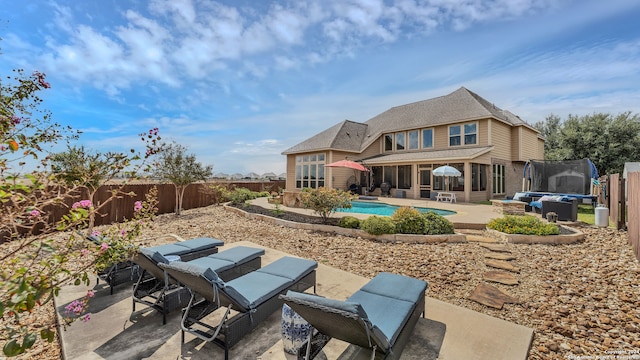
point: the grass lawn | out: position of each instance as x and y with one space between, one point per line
586 214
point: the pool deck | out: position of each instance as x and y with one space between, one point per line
468 215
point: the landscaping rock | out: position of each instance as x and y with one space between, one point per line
500 277
491 296
504 265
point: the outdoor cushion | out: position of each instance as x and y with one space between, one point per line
396 286
154 255
254 288
345 306
387 313
290 267
229 258
187 246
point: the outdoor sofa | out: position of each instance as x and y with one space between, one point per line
380 316
164 294
254 296
567 209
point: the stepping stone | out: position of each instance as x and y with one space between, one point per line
500 264
489 295
500 256
496 247
481 239
500 277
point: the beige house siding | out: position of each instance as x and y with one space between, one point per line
291 172
501 140
540 149
483 132
529 144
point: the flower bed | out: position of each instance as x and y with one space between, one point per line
567 236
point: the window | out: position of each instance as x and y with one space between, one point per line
457 182
454 135
470 135
414 139
390 175
478 177
404 177
498 179
388 142
427 138
400 141
310 171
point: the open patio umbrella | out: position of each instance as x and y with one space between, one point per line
446 171
348 164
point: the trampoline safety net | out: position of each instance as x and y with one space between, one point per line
565 177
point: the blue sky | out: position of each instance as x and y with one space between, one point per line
238 82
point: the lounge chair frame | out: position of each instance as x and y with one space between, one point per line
165 294
230 330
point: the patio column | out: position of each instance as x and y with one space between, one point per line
467 181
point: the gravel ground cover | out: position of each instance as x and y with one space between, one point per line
581 299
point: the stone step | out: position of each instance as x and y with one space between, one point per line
500 264
489 295
499 256
481 239
500 277
496 247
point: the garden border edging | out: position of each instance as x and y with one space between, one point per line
406 238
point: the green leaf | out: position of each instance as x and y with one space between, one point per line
12 348
29 340
47 334
77 282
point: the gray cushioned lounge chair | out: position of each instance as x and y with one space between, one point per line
255 296
380 316
165 294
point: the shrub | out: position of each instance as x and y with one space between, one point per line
435 224
408 221
219 193
239 196
325 201
349 222
377 225
525 225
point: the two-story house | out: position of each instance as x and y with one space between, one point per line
403 145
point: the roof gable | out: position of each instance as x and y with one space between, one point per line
346 135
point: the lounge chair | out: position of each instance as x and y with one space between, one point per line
162 293
380 316
254 296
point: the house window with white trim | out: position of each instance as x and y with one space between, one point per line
400 141
470 135
414 140
427 138
388 142
310 171
498 179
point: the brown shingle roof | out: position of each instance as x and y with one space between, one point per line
460 105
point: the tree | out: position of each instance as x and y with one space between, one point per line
34 263
608 141
179 168
80 166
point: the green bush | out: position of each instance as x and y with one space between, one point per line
377 225
525 225
324 201
349 222
408 220
435 224
239 196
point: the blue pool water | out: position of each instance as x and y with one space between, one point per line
376 208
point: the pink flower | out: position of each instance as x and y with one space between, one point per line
104 246
34 213
86 317
137 206
95 233
40 78
82 204
122 232
84 252
90 293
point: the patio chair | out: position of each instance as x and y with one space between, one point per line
254 296
164 294
380 316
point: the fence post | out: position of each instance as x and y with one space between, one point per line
622 221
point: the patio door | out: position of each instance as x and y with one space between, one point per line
424 177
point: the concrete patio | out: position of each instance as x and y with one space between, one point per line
447 332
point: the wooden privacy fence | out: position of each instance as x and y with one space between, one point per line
633 224
121 207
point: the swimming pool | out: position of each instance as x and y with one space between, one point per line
376 208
